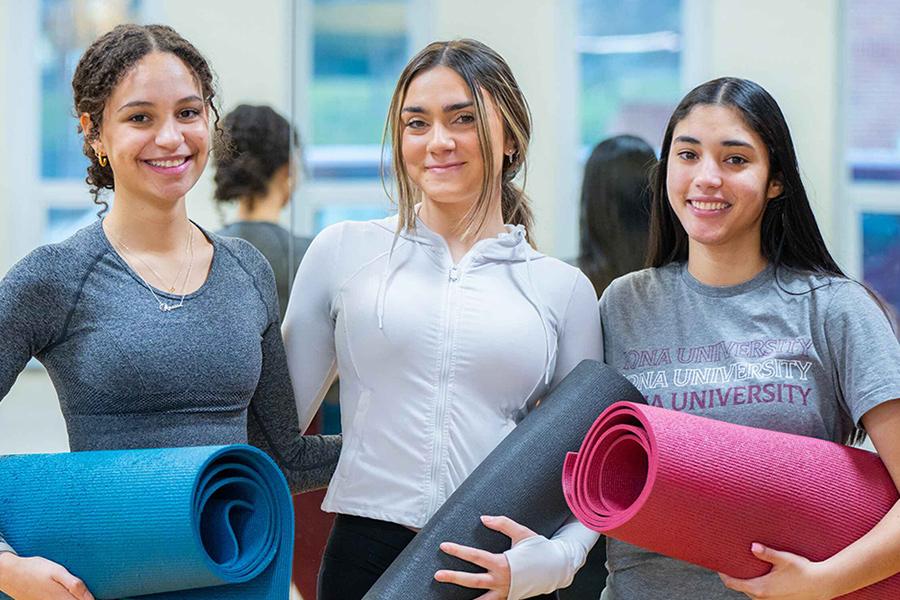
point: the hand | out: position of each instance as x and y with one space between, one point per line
37 578
497 577
792 578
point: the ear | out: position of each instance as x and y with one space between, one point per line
87 127
776 188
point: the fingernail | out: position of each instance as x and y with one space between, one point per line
756 548
485 518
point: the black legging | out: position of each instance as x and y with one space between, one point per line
359 550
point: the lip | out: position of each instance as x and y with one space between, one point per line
707 205
444 167
175 170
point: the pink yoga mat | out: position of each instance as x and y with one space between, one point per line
702 491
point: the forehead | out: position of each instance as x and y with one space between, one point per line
157 77
713 123
440 85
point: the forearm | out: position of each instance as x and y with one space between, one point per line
870 559
540 566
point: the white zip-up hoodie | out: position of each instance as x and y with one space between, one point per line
438 362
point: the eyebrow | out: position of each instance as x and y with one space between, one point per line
727 143
141 103
447 107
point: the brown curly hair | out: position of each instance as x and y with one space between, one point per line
103 66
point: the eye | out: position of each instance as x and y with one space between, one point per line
416 124
687 155
139 118
465 119
188 113
736 160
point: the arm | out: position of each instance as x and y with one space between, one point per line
308 461
537 565
865 355
309 324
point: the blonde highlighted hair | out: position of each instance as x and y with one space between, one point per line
484 71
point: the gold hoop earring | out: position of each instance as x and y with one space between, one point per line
101 158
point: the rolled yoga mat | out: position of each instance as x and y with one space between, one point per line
519 479
188 523
703 491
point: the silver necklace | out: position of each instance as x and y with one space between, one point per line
163 305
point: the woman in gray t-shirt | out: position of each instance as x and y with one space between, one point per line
745 317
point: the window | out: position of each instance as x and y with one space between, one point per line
630 62
870 203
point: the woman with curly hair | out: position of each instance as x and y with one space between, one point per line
155 332
256 170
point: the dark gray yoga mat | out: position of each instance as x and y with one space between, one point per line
521 479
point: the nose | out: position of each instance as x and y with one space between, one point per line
441 139
169 134
709 174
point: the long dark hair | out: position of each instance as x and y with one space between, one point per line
615 209
790 236
482 69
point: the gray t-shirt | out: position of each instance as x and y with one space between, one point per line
805 354
131 376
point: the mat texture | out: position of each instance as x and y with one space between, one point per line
702 491
188 523
519 479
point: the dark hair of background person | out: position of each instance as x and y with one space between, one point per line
484 71
103 65
615 209
790 234
259 141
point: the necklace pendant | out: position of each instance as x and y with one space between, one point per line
165 307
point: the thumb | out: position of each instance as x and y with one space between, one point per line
508 527
770 555
75 586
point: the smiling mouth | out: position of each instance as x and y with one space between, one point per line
708 205
444 168
168 164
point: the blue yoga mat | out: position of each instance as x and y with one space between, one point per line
163 524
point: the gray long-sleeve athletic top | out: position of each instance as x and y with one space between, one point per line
129 375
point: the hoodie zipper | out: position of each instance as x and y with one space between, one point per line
453 277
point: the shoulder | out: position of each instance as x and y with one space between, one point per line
61 265
245 253
642 283
352 241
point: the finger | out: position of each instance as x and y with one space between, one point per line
745 586
770 555
73 585
483 559
483 581
508 527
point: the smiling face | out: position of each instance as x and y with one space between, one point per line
718 179
155 130
440 144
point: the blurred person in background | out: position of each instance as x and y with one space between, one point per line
615 209
255 168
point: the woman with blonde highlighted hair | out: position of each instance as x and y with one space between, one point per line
446 326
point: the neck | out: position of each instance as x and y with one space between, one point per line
445 219
148 226
261 208
724 266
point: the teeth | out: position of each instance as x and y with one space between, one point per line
708 205
167 163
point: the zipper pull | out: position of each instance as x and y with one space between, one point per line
454 273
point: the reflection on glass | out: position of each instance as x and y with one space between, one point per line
881 255
67 28
630 60
359 49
